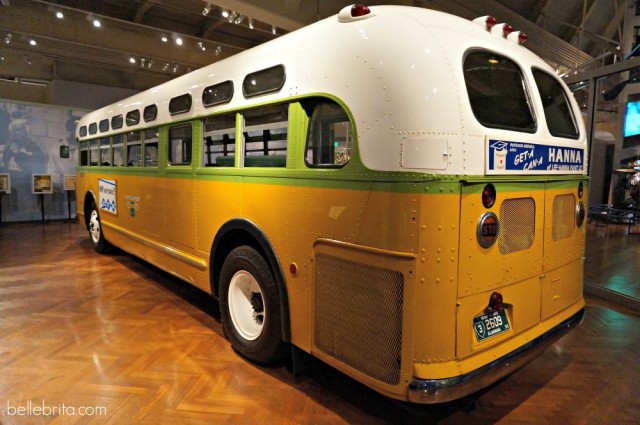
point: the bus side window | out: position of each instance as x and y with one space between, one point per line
84 152
329 136
151 147
180 138
219 140
117 143
94 152
265 133
134 149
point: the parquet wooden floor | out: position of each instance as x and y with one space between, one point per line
115 337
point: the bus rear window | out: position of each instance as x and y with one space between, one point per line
556 105
497 94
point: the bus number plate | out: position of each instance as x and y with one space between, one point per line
492 324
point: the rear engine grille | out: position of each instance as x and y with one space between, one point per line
358 316
564 213
517 225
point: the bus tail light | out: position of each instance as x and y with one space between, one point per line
580 214
488 195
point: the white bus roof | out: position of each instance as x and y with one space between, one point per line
398 71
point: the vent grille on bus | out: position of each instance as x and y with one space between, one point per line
358 316
564 213
517 225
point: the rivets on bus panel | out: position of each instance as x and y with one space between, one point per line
293 269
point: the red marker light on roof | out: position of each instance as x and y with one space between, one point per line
506 30
522 38
490 22
358 10
354 13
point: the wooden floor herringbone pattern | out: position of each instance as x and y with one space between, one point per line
83 330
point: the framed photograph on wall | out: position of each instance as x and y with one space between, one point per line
5 183
69 182
41 184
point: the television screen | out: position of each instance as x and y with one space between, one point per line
632 119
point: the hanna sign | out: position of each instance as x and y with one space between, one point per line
505 157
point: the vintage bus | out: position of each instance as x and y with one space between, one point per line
396 191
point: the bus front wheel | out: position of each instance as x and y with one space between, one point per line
250 307
94 226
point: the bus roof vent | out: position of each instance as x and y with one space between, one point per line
356 12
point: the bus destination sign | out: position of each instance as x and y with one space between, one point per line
507 157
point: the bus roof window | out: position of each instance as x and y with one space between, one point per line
180 104
116 122
133 117
497 94
150 113
265 81
83 131
93 128
104 125
217 94
557 109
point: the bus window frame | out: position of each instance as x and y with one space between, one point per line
526 89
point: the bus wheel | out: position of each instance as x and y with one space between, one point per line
250 307
98 241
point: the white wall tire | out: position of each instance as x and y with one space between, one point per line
250 306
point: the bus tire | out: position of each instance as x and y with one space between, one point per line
250 306
94 226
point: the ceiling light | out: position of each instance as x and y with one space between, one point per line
201 46
32 42
206 10
218 50
96 23
59 15
132 59
238 20
273 29
164 39
225 13
232 16
166 66
7 38
178 41
27 59
149 63
251 23
175 68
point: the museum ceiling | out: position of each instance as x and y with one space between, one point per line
41 41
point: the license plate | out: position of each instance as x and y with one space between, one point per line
492 324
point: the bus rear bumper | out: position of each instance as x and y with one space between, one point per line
442 390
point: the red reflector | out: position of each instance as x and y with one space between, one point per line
522 38
495 301
358 10
490 22
506 30
488 196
